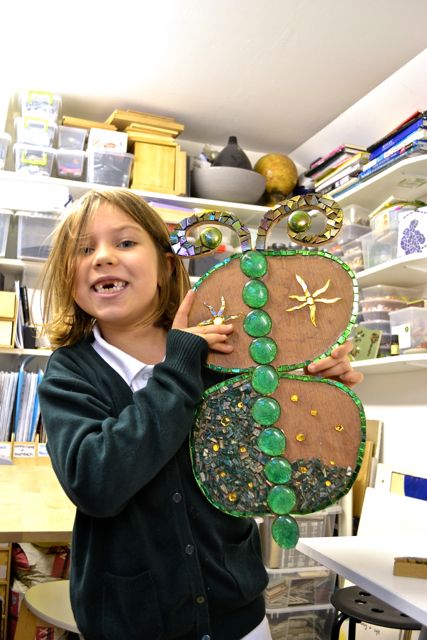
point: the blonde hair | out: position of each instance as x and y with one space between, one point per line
64 322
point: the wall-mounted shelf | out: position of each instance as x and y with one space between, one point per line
392 364
407 271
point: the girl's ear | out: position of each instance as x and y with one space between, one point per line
169 262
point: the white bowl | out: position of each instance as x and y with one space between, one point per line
227 183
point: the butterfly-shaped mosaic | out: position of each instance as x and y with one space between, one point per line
272 439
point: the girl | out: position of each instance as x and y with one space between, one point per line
152 559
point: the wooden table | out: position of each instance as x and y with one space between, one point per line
33 506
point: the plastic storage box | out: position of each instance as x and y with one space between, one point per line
70 163
40 104
314 525
71 137
352 254
33 160
299 588
379 247
410 325
4 229
5 141
34 234
382 297
36 131
109 168
302 625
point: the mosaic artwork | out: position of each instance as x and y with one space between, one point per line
271 439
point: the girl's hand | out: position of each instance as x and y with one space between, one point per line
216 335
337 366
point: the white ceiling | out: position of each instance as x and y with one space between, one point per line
271 72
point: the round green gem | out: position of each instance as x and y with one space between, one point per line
255 294
211 237
272 441
281 499
263 350
257 323
285 532
278 470
254 264
265 411
265 379
299 221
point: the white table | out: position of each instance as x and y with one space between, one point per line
368 562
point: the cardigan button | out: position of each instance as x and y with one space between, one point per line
189 549
200 600
177 497
206 637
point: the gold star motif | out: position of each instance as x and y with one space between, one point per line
218 317
310 299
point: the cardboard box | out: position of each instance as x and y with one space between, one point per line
105 140
8 313
410 567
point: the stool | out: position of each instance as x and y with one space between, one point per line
357 605
45 605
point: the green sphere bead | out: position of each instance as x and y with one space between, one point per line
272 441
254 264
263 350
211 237
257 323
278 470
265 379
299 221
255 294
265 411
281 500
284 531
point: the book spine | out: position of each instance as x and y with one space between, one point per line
418 134
414 147
400 135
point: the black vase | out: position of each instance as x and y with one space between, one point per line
232 156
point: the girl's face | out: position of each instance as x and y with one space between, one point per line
116 273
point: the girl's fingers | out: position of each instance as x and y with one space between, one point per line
181 318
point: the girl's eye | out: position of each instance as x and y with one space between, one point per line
127 244
85 251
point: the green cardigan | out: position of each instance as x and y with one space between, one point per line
152 559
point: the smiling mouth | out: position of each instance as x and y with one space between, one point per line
110 287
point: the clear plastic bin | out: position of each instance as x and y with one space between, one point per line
109 168
350 232
376 325
389 293
35 234
36 131
33 160
40 104
355 214
5 141
5 215
379 247
299 588
313 525
369 316
352 254
70 163
71 137
302 625
410 325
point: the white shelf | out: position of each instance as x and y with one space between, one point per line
392 364
14 266
43 353
249 214
405 179
407 271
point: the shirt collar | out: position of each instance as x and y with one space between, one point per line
128 367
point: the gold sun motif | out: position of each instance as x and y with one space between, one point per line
310 299
218 317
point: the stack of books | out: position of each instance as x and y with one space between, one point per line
407 139
338 169
159 163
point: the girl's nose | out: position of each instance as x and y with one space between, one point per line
104 254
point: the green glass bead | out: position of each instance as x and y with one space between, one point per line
272 441
284 531
265 379
254 264
257 323
211 237
265 411
263 350
299 221
278 470
255 294
281 499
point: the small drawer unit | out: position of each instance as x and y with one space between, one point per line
36 131
302 625
35 231
70 163
40 104
298 588
109 167
33 160
71 138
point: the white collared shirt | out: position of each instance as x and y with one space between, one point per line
133 371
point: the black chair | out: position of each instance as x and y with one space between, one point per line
356 605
